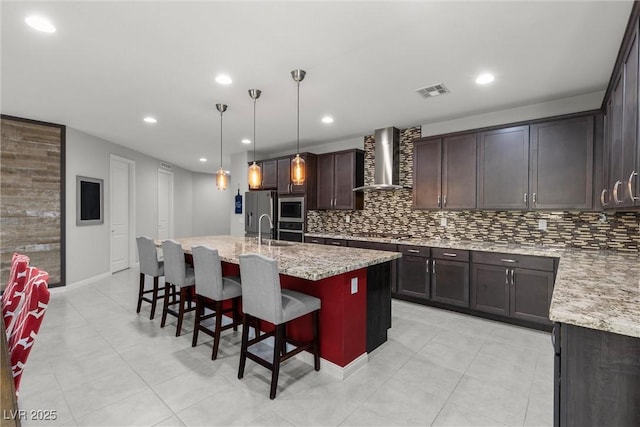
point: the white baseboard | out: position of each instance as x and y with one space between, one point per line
336 371
79 283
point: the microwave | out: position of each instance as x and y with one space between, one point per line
291 209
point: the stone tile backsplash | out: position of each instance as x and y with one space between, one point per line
392 212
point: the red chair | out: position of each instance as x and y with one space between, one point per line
29 320
13 297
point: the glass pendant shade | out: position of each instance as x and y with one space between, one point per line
255 176
298 170
221 180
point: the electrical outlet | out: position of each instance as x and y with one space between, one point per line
542 224
443 222
347 219
354 285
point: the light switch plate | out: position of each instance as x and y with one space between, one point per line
354 285
443 222
542 224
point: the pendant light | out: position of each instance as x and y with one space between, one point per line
221 176
298 169
255 174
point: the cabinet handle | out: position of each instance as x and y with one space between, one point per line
553 337
513 280
427 262
506 276
508 260
439 198
630 187
336 243
449 254
413 251
615 192
433 266
524 198
602 202
533 197
445 201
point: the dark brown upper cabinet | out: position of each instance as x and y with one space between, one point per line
503 168
338 174
285 186
269 175
626 191
444 171
561 164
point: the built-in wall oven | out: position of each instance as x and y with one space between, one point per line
291 219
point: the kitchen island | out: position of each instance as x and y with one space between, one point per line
353 285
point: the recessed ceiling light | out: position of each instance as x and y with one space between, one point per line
223 79
150 119
246 141
485 78
202 159
327 119
40 23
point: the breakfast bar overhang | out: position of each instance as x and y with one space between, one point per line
353 284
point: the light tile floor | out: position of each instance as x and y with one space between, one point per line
97 362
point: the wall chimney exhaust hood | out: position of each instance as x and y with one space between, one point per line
387 161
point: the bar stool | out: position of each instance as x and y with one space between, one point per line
263 298
212 289
149 266
179 282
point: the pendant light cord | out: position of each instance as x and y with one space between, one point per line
254 130
220 139
298 134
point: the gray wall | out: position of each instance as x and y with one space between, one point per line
210 206
87 247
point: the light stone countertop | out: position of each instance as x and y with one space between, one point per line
304 260
593 289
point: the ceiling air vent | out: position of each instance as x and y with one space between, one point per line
433 90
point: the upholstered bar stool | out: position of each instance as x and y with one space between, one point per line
212 289
149 266
179 282
263 298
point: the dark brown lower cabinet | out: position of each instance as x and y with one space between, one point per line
414 278
597 378
450 276
502 284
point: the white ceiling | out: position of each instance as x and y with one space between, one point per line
111 63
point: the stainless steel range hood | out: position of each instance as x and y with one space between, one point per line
387 161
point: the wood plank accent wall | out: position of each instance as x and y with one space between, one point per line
32 196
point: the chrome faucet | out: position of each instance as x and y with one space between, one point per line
260 226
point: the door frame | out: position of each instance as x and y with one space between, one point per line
171 206
132 208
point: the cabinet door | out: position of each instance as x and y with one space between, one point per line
629 123
269 174
503 168
530 295
450 282
284 176
427 177
490 288
345 182
459 172
414 276
614 132
325 181
561 159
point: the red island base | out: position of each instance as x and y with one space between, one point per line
343 314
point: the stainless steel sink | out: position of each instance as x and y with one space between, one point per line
272 242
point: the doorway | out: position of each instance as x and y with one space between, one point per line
122 221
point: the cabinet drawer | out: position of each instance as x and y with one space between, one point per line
319 240
422 251
513 260
450 254
379 246
335 242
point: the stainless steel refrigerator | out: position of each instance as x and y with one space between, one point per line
256 204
